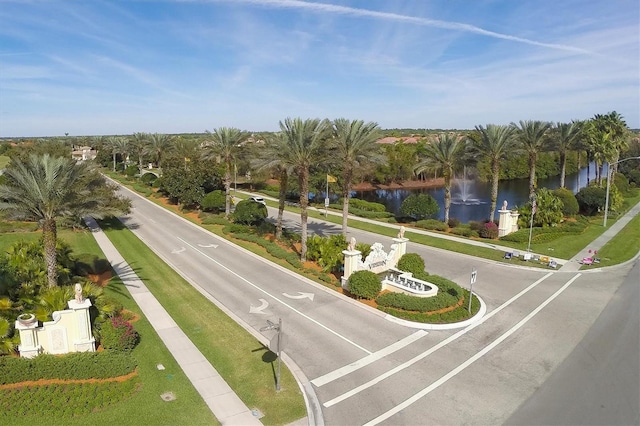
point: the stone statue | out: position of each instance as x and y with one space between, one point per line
79 297
352 244
504 205
401 233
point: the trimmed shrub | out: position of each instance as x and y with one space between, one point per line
419 206
591 199
149 179
489 230
411 262
365 205
570 206
475 225
118 335
432 225
131 170
453 222
77 365
214 201
364 285
209 219
249 212
463 231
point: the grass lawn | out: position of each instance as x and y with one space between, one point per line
240 359
145 407
622 248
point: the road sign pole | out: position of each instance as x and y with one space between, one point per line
474 275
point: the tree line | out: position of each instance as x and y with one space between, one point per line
304 151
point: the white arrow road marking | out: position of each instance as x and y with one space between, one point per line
259 309
208 245
178 251
279 300
300 295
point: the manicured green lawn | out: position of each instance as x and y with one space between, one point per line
239 358
145 407
622 248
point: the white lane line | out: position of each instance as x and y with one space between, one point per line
362 362
277 299
425 354
471 360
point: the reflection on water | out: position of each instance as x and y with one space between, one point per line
475 202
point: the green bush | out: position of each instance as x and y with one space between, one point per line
463 231
419 206
77 365
591 199
570 206
327 251
249 212
214 201
210 219
414 303
432 225
364 285
622 183
131 170
411 262
356 203
118 335
474 225
453 222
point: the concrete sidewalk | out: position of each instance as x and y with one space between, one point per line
217 394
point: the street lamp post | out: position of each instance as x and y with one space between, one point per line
606 198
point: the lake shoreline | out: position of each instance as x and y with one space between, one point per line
409 184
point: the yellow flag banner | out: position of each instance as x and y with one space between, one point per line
331 179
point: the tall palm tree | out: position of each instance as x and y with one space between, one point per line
531 137
224 145
118 145
305 141
355 142
444 152
494 142
157 145
275 157
565 136
45 188
138 142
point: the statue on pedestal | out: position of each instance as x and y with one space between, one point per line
352 244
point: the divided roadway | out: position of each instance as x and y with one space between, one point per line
367 369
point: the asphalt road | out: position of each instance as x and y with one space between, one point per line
367 369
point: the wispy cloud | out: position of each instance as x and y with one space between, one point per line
388 16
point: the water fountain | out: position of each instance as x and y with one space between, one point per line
463 193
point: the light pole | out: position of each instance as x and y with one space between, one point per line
606 198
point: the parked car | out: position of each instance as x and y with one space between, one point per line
258 200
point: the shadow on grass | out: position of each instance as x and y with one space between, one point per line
269 357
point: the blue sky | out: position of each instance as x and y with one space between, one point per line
118 67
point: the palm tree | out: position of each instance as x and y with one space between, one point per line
138 142
531 136
275 156
305 148
157 145
356 145
493 142
565 136
45 188
444 152
118 145
223 146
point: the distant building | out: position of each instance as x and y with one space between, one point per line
83 153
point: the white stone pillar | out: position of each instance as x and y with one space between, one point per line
351 259
514 220
504 225
82 338
401 250
29 346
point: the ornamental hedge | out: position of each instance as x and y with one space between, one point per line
73 366
364 285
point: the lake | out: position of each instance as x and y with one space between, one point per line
470 200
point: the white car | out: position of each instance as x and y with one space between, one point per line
258 200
